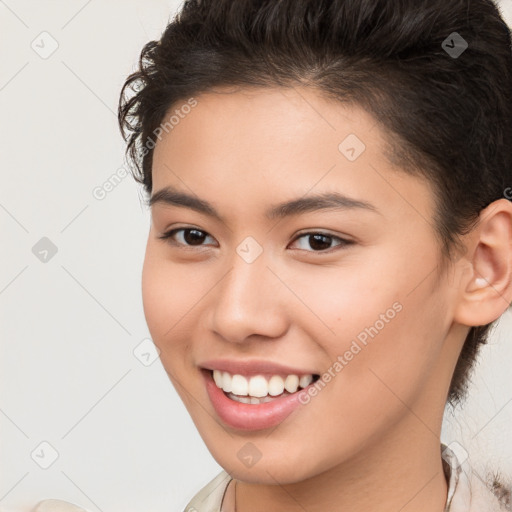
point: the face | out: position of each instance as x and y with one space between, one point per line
344 289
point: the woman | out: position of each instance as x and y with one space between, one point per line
330 240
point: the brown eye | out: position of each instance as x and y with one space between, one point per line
321 242
189 236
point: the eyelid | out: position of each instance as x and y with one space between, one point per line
320 231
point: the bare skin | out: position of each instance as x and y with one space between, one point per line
370 439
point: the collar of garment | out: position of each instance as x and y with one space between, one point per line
467 492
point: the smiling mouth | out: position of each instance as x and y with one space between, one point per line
259 389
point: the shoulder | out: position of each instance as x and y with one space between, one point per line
468 491
209 498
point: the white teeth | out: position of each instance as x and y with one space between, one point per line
226 382
291 383
239 385
217 377
258 386
305 381
257 389
275 385
252 400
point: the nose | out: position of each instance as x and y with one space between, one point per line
249 301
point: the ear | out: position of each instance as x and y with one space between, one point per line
486 290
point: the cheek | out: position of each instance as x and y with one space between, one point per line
387 361
382 327
337 303
168 295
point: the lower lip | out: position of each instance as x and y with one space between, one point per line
250 416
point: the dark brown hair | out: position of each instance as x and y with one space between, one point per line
446 114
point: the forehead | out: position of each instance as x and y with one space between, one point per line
266 144
268 120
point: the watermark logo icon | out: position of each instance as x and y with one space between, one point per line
45 45
454 45
249 249
249 454
352 147
44 455
455 448
146 352
44 250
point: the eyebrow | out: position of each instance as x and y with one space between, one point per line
326 201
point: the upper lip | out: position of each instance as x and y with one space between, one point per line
252 367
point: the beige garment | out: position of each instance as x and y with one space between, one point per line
57 506
466 492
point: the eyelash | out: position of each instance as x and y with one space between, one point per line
168 236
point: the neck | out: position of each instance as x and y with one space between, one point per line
386 475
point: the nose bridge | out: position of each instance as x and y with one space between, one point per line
247 301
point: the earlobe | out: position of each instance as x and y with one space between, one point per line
487 292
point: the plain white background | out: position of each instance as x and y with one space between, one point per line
74 375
